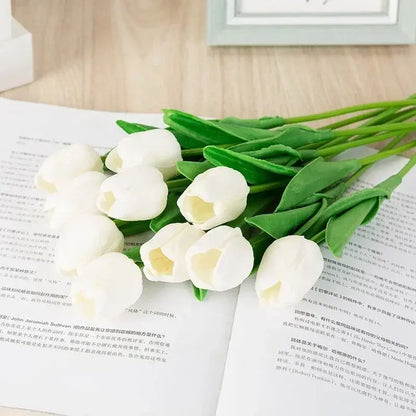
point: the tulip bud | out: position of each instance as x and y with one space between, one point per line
65 164
157 147
77 197
136 194
107 286
220 260
164 254
214 197
289 268
83 240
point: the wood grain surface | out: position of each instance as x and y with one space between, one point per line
145 55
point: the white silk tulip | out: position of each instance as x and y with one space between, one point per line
66 164
164 254
136 194
78 197
220 260
217 196
289 268
157 147
83 240
106 286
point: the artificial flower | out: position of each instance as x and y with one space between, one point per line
216 196
289 268
135 194
157 147
164 254
66 164
83 240
78 197
220 260
106 286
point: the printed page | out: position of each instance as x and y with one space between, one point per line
165 356
349 348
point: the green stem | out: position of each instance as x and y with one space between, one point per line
383 116
382 155
352 109
352 120
409 165
364 169
376 129
334 150
256 189
199 150
318 238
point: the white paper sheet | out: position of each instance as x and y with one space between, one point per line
163 357
349 348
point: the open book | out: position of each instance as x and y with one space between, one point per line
349 348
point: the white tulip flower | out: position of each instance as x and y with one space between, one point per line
164 254
136 194
289 268
215 197
78 197
106 287
66 164
220 260
83 240
157 147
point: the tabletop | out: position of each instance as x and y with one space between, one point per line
142 56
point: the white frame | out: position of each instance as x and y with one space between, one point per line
227 26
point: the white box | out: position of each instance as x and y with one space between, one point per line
5 19
16 58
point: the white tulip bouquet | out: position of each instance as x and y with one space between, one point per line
223 198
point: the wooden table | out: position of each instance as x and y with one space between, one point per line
141 56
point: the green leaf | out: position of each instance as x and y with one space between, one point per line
340 229
256 171
330 194
377 195
205 131
185 141
293 136
134 254
383 190
259 244
170 215
132 227
314 177
280 224
192 169
312 221
260 123
130 128
256 203
280 153
246 133
214 131
199 293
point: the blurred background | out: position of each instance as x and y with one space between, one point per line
144 55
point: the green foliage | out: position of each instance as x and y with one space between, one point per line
134 254
185 141
314 177
132 227
260 123
256 171
170 215
200 294
280 224
192 169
